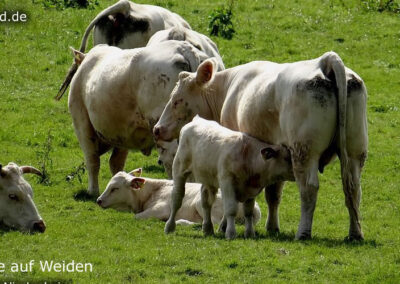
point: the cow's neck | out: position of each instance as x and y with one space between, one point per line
214 96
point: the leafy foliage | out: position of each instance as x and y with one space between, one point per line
45 160
221 22
392 6
63 4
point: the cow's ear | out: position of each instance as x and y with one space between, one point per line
136 172
78 56
137 183
268 153
205 72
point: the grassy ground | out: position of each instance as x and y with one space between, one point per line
33 62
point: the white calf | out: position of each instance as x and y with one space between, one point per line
221 158
150 198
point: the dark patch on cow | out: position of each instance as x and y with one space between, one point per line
163 79
116 27
319 83
300 154
362 158
353 84
183 66
322 90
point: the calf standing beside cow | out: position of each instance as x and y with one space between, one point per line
314 108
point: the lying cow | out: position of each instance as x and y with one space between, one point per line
221 158
126 25
17 209
198 40
117 96
316 107
150 198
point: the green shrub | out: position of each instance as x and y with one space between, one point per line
63 4
221 22
392 6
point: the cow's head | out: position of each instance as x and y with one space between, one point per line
187 99
278 163
120 192
166 154
17 209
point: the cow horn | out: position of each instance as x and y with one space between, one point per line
30 170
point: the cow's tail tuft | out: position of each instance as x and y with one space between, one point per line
67 81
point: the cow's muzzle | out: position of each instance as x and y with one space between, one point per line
39 226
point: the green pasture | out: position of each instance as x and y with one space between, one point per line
36 130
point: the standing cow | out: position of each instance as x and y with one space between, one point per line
125 25
317 108
17 209
117 96
241 166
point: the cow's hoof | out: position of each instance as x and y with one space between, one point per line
303 237
93 192
273 231
250 234
170 227
230 235
355 238
208 233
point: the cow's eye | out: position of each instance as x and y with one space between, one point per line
114 189
13 197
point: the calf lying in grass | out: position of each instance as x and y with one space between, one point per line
150 198
17 209
221 158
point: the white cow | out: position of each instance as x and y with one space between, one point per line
235 162
17 209
317 108
198 40
166 154
167 150
126 25
150 198
117 96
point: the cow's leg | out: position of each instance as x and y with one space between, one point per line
117 160
273 195
352 192
178 192
248 208
207 200
222 225
90 144
305 168
160 212
230 208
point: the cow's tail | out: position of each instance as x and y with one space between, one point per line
123 6
335 64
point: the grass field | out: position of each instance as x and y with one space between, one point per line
36 130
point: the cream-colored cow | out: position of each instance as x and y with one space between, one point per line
240 165
117 95
317 108
126 25
17 209
150 198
